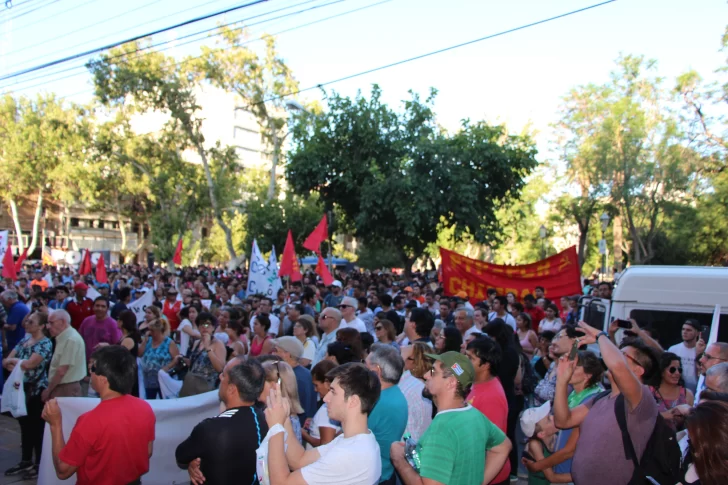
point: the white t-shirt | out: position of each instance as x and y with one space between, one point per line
184 338
309 351
687 357
356 323
346 461
470 331
321 420
553 326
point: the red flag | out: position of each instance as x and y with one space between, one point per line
101 270
85 264
177 259
319 235
9 265
323 271
289 263
21 258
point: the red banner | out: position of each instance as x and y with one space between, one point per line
559 275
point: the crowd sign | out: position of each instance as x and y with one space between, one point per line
559 275
139 307
263 275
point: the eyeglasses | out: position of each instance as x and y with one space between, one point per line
324 317
378 327
710 357
673 369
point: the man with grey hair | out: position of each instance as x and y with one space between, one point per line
388 419
464 322
16 312
714 355
348 307
68 365
716 379
329 322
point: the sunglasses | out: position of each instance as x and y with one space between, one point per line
378 327
205 324
345 306
674 369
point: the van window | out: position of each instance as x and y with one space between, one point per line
668 324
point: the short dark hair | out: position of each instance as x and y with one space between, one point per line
501 332
319 371
264 321
357 380
592 366
118 366
362 300
606 283
541 288
398 299
385 299
647 359
502 300
693 323
343 353
249 379
492 291
488 351
124 293
102 298
424 320
62 288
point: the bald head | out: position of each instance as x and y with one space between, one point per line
716 379
330 319
714 354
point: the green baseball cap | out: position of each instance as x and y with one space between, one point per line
459 364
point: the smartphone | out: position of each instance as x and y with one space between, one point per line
574 350
705 333
624 324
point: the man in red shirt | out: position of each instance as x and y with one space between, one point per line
171 308
112 443
80 307
487 394
536 312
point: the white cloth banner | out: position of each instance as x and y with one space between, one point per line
3 242
175 420
263 276
92 293
140 306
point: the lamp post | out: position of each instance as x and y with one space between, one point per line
542 234
604 219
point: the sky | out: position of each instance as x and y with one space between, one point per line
518 78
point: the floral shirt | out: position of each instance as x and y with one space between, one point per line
37 378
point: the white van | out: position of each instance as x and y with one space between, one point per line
661 298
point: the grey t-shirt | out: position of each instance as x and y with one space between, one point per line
600 458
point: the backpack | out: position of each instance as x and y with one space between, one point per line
529 379
660 463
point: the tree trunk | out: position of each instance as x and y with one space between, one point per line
16 221
583 237
617 249
67 226
273 165
122 230
213 200
36 223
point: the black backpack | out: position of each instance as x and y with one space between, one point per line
660 463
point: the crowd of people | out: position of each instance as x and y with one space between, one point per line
374 379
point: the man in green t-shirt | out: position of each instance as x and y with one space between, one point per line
461 446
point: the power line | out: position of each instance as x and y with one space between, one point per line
308 24
31 9
439 51
73 68
132 39
17 29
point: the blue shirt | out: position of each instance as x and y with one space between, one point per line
387 421
306 393
16 314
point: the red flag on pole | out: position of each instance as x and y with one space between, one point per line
9 265
177 259
101 270
319 235
323 271
21 258
289 263
85 264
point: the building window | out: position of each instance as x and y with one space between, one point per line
75 222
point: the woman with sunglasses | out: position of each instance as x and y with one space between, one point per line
671 392
208 355
385 332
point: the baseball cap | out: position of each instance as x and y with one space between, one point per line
80 286
336 283
408 288
290 344
462 294
693 323
459 364
103 285
531 416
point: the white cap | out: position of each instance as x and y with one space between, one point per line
336 283
531 416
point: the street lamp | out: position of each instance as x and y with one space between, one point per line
542 234
604 219
293 105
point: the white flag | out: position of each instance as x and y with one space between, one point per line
139 307
263 276
3 242
275 280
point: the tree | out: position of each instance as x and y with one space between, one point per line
399 177
259 82
154 81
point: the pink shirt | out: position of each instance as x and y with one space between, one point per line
96 331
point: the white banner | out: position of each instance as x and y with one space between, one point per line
175 420
263 276
139 307
3 242
92 293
